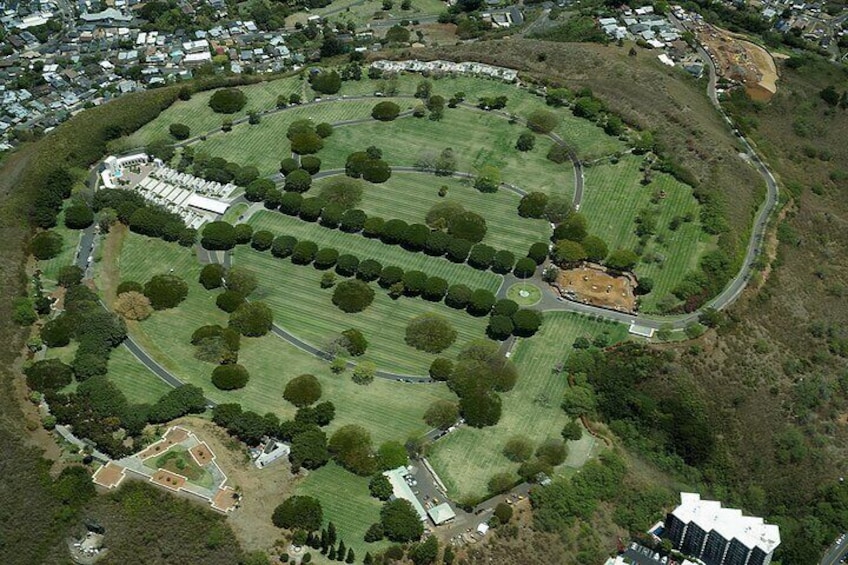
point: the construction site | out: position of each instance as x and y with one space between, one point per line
740 61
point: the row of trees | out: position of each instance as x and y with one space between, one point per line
130 208
450 231
354 295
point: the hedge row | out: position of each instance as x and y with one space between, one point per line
416 238
397 282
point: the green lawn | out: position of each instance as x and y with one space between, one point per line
306 310
419 192
70 242
612 200
476 138
232 215
197 115
365 248
138 383
468 457
265 144
347 503
389 410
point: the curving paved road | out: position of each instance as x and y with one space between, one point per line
549 302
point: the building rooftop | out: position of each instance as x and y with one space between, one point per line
441 513
727 522
402 490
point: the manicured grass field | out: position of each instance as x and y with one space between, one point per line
200 118
477 139
303 308
232 215
589 140
70 241
364 248
467 458
136 381
265 144
418 193
389 410
612 200
347 503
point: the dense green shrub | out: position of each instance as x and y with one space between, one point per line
283 246
179 131
230 377
253 319
299 512
385 111
227 101
165 291
430 332
78 216
212 276
229 301
218 236
303 390
353 295
46 245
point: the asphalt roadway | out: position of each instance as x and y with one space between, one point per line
836 552
549 303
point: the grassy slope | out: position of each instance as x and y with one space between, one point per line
468 457
477 139
265 144
419 193
302 307
613 198
646 93
197 115
365 248
389 410
50 267
347 503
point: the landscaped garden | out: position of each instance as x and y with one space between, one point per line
178 460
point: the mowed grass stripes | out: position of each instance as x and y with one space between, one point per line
388 409
199 117
347 503
613 198
467 458
265 144
477 139
303 308
409 196
364 248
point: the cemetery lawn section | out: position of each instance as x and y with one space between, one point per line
389 410
614 197
365 248
419 192
477 139
199 117
300 306
467 458
265 144
347 503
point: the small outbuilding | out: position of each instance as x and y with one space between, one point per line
441 513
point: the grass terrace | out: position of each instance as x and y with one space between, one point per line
419 192
467 458
178 460
347 503
389 410
200 118
232 215
265 144
477 139
302 307
613 198
364 248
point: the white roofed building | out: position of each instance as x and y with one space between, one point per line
720 536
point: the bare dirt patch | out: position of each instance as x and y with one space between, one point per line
109 476
201 453
167 479
742 61
261 489
594 286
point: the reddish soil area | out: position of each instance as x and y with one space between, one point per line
598 288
